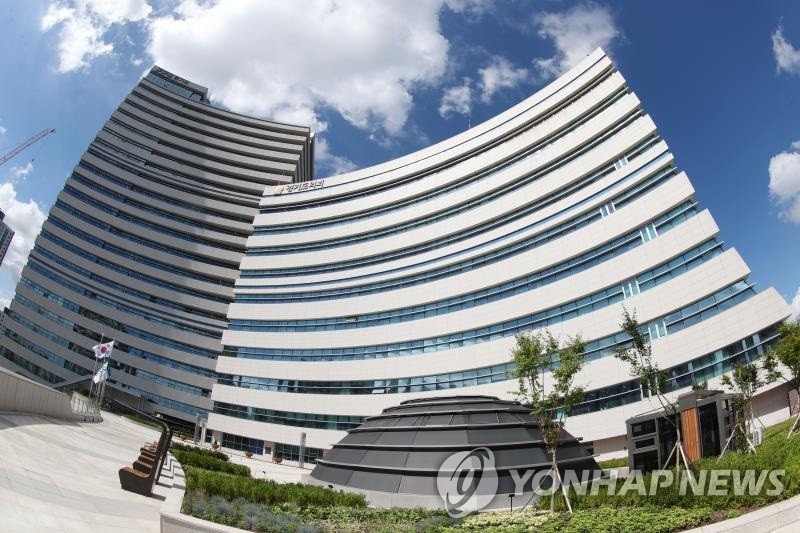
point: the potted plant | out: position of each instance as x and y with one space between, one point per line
215 444
277 459
248 454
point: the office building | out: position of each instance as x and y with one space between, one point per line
411 278
143 246
6 234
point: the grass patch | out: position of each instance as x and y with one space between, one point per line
776 452
613 463
600 520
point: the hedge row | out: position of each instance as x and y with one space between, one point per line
265 491
188 458
194 449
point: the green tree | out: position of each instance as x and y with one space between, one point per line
744 380
787 353
551 404
638 355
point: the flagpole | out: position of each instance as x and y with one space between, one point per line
105 380
94 368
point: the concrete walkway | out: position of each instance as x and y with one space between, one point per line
62 476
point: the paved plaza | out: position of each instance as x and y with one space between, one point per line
62 476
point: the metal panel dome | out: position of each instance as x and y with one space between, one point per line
400 451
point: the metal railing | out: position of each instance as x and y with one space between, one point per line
81 405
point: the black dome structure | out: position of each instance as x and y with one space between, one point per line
395 457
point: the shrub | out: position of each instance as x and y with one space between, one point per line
267 492
613 463
194 449
189 458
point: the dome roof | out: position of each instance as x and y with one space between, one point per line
401 450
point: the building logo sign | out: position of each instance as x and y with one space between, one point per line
298 187
467 481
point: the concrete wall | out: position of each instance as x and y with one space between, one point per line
22 395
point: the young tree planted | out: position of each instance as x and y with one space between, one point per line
744 380
787 353
639 357
551 403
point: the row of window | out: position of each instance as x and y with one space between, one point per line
546 142
30 366
191 170
45 353
213 117
149 208
136 221
164 146
175 405
727 297
95 337
681 376
201 131
546 200
124 253
286 418
115 324
173 87
654 173
89 355
51 274
597 300
109 229
156 173
173 200
39 250
453 161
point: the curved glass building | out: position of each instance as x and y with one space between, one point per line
410 279
144 242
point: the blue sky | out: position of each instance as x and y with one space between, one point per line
381 79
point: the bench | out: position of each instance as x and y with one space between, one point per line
142 476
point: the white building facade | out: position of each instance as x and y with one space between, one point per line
410 279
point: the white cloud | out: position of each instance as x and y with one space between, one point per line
26 219
457 100
784 182
2 129
500 74
786 55
362 59
5 301
575 34
19 173
795 307
83 25
329 164
472 8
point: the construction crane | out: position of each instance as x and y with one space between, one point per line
22 146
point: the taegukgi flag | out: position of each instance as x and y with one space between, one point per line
103 374
102 351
